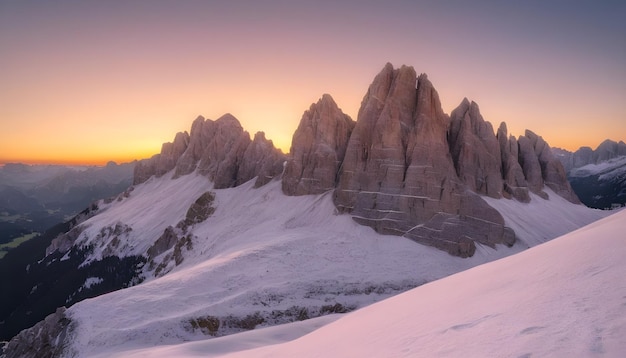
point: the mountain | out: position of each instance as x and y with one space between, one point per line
220 150
601 185
226 233
597 176
608 149
262 259
408 169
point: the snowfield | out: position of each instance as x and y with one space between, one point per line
264 259
565 298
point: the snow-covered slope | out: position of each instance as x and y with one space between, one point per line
565 298
541 220
262 259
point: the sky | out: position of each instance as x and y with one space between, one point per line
85 82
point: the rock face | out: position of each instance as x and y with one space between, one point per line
530 165
220 150
260 160
162 163
410 170
552 172
317 149
403 168
47 338
475 150
398 175
515 184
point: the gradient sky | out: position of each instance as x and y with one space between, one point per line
91 81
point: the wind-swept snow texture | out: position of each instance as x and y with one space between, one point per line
260 254
565 298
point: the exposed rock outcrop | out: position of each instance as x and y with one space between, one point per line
552 172
221 155
403 168
375 163
410 170
199 211
162 163
47 338
63 242
475 150
220 150
262 160
515 184
398 175
317 149
530 165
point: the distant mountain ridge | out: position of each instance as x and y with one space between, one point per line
598 176
36 197
606 150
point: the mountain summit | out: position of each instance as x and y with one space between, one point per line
409 169
220 150
404 168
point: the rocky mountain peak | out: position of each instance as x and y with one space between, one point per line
607 150
411 170
398 175
227 120
475 150
220 150
404 167
515 184
317 149
542 167
262 160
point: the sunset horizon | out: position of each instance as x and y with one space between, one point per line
88 83
102 158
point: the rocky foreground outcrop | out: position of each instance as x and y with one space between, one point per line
47 338
410 170
221 150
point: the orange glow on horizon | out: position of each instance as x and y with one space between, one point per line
77 89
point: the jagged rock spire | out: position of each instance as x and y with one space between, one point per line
220 150
317 149
475 150
403 168
398 175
